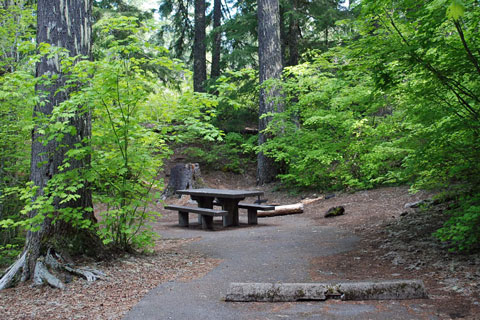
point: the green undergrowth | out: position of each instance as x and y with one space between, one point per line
235 153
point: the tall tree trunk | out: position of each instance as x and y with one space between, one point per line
67 24
293 34
217 39
199 48
283 35
270 63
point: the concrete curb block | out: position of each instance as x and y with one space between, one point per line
287 292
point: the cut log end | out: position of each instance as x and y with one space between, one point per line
282 210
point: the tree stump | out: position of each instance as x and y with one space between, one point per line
182 176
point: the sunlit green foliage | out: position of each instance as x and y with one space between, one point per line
237 100
16 104
427 56
126 149
337 132
401 103
126 154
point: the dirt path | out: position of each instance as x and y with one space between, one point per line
398 243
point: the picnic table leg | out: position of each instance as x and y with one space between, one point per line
230 205
203 202
252 216
183 219
207 222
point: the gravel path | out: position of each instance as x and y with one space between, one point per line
279 249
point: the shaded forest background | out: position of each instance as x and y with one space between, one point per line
373 93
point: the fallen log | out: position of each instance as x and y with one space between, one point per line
282 210
310 201
288 292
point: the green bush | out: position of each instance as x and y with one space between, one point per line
335 133
462 230
237 100
17 98
233 154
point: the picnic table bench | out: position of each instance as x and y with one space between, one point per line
205 213
253 208
228 199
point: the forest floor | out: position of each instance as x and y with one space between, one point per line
395 243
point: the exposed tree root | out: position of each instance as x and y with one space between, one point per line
12 271
43 275
88 273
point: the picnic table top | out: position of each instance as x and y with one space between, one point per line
221 193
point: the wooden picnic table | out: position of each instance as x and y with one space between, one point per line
228 199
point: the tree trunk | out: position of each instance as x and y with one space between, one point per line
283 35
199 48
217 39
64 24
293 35
270 63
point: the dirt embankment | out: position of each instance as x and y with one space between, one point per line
397 243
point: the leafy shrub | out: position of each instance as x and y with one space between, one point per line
126 154
233 154
10 251
462 230
17 97
333 134
237 100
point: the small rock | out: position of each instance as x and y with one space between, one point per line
335 211
328 196
398 260
416 204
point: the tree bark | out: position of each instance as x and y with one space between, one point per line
217 39
270 64
199 48
293 34
283 34
66 24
